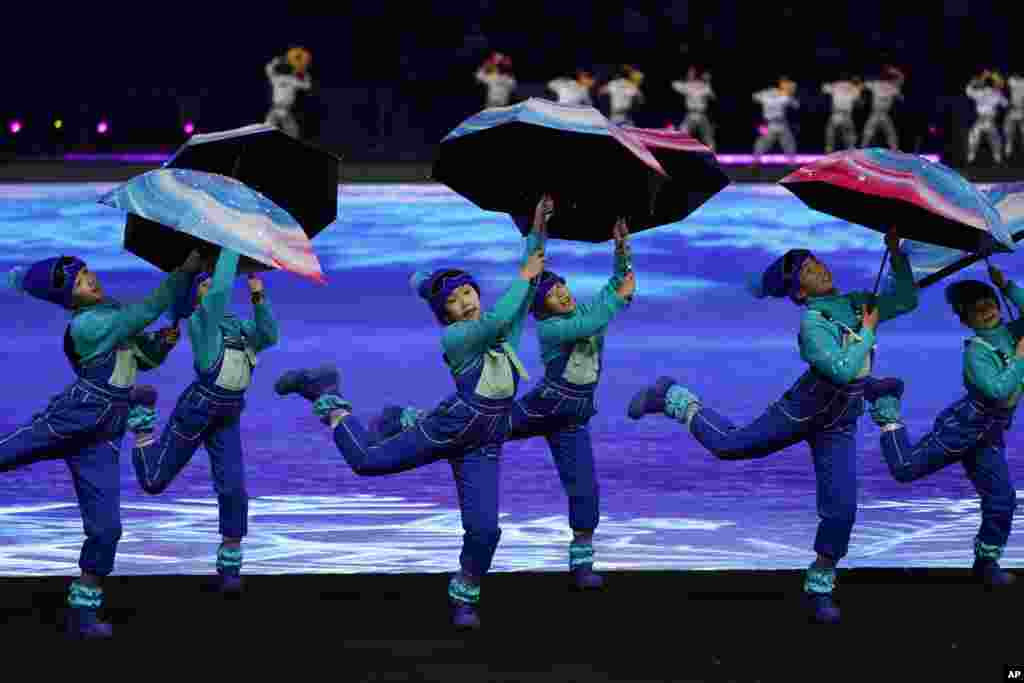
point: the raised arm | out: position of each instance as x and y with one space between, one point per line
262 330
204 324
903 298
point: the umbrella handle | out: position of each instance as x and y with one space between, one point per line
873 301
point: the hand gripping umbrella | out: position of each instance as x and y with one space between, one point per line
880 189
186 210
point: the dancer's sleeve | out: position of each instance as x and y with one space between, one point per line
482 76
269 68
986 372
534 241
204 324
820 347
150 350
262 329
98 331
679 87
1016 295
903 297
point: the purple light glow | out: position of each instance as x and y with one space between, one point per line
142 158
14 127
189 128
102 127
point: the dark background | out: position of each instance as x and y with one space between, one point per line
393 78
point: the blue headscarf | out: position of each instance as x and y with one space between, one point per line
782 278
41 279
436 287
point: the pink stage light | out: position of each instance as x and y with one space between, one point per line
14 127
189 128
102 127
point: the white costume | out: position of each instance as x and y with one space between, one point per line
987 100
499 87
845 95
284 87
570 91
1013 122
622 93
775 102
697 123
883 94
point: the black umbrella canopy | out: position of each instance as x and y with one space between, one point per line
593 178
167 248
298 177
882 213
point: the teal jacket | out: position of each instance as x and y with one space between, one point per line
464 343
559 334
212 322
840 351
98 329
984 365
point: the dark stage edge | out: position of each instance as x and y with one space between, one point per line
398 172
737 625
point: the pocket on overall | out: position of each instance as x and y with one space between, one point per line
452 423
191 416
809 397
76 412
542 402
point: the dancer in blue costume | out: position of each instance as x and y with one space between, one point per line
467 429
837 339
971 430
84 424
209 411
571 339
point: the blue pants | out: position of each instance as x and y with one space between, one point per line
208 417
561 414
825 416
83 425
965 433
466 434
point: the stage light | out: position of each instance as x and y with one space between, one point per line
14 127
189 128
102 127
58 124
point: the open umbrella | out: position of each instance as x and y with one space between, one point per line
296 176
185 210
937 263
693 170
880 189
505 158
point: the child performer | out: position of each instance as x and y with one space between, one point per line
287 76
622 93
571 338
837 339
775 101
209 411
697 91
84 424
971 430
468 428
496 74
1013 122
845 94
884 92
573 90
986 91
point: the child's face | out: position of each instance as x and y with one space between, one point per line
815 278
983 314
463 304
87 288
559 300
